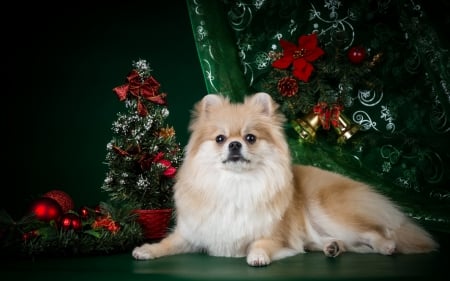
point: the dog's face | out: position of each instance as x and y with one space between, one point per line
236 137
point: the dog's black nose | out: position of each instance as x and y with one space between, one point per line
234 146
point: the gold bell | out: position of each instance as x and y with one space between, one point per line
345 128
307 126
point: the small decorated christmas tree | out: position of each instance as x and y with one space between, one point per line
143 154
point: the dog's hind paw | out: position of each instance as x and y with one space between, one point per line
258 257
333 249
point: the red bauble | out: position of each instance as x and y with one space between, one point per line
30 234
84 212
70 221
63 199
356 54
46 209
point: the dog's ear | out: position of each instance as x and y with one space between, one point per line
205 105
211 100
264 100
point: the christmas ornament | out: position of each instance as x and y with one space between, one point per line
106 222
70 221
345 128
307 126
46 209
356 54
376 59
84 212
300 57
287 86
63 199
30 234
166 133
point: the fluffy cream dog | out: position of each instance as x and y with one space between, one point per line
237 194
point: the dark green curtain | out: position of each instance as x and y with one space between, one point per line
400 112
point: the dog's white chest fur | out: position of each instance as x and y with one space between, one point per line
229 216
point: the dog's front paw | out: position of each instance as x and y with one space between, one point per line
143 252
387 247
258 257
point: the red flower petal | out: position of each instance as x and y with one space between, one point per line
308 42
314 54
283 62
288 47
302 70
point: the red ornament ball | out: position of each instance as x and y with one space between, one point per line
63 199
84 212
356 54
46 209
70 221
30 235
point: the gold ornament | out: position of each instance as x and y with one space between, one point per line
307 126
166 132
376 59
345 128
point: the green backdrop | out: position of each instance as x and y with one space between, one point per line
58 71
398 96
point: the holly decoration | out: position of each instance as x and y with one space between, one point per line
48 231
46 209
63 199
356 54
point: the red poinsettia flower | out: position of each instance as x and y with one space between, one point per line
300 57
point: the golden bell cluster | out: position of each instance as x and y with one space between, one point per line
307 127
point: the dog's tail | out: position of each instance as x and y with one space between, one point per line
410 238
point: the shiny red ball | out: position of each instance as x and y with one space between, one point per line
356 54
46 209
70 221
84 212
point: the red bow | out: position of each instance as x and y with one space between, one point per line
146 89
328 115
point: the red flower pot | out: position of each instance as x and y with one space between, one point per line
154 223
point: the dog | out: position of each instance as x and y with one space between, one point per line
239 194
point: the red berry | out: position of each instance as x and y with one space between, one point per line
356 54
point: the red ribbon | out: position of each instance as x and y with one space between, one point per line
170 170
328 115
142 89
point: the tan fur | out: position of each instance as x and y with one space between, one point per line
261 206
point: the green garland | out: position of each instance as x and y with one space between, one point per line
31 237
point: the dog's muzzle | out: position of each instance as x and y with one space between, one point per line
234 152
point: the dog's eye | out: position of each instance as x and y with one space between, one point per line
220 138
250 138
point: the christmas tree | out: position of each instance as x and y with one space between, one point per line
143 154
142 157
